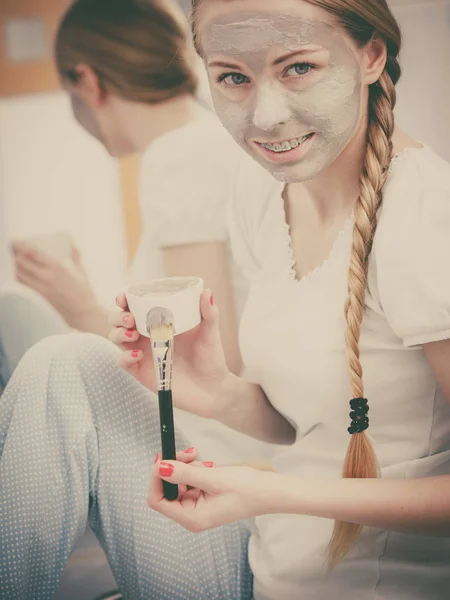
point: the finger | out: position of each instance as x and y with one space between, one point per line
187 456
177 472
23 277
156 493
121 302
76 256
121 335
129 358
17 246
210 318
40 259
120 318
31 268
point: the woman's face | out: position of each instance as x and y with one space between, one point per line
286 81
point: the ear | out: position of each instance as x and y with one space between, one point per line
88 85
374 59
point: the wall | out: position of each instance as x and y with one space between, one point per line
54 176
424 89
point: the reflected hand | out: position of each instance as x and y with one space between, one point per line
66 288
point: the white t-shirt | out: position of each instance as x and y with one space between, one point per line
292 342
187 177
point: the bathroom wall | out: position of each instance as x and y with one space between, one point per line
54 176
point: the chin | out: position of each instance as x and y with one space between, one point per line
113 152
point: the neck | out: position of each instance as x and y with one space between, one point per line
333 193
147 122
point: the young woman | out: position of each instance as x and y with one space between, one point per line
308 89
132 77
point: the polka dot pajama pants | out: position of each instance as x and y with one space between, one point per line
78 437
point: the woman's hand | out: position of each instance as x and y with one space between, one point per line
209 497
199 368
66 288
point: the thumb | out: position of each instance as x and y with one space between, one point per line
187 474
76 257
210 319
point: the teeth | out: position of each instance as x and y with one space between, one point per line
286 146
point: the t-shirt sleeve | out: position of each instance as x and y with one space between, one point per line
186 200
413 265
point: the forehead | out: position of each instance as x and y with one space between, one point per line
238 31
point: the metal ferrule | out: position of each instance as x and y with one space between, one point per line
162 360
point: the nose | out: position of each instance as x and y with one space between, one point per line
271 107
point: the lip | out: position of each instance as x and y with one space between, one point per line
290 156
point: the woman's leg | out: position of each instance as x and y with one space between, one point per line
78 436
25 319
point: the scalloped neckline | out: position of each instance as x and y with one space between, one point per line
291 262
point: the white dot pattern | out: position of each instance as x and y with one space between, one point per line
78 437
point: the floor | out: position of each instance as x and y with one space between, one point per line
87 574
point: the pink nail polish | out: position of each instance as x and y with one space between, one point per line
129 334
189 451
165 470
135 353
156 458
208 464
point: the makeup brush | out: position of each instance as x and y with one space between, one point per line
161 331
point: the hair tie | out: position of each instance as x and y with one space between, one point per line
358 415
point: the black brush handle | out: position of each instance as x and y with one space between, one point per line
167 438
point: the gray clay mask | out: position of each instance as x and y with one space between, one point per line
286 102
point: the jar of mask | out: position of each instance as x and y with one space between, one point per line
181 295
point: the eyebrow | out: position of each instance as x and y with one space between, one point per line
279 60
289 55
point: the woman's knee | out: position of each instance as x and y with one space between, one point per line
75 350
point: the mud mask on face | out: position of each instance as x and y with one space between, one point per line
272 109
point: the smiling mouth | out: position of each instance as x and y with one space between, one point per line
285 146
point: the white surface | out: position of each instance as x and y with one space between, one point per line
56 177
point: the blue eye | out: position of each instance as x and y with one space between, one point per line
299 69
233 79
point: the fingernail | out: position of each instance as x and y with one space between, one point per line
212 299
165 470
129 334
135 353
156 458
189 451
208 464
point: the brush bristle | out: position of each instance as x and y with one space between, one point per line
160 324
